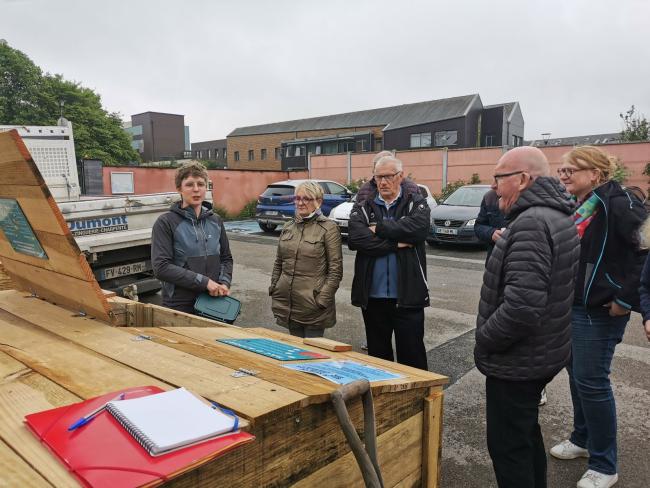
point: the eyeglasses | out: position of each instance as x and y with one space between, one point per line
300 199
505 175
568 172
388 178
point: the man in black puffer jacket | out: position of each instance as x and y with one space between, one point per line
523 331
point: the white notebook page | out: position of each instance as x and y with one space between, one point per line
173 418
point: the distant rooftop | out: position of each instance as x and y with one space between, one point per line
391 117
592 140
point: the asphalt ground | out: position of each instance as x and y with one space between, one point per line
455 276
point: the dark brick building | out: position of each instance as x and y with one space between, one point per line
458 122
158 136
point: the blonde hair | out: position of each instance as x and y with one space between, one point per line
590 157
311 189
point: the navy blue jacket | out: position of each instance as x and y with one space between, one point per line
610 257
644 290
490 218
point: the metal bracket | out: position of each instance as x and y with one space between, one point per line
241 372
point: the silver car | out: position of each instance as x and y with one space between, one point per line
453 220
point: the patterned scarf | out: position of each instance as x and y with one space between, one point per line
585 213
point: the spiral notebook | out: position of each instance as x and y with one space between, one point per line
167 421
102 454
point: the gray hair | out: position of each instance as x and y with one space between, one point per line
390 159
379 155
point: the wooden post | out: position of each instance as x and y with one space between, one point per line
432 439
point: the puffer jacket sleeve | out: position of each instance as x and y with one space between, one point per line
412 229
361 238
162 259
628 216
527 267
334 256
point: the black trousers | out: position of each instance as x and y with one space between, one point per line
514 437
382 317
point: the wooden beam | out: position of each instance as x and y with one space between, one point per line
398 451
432 439
249 396
201 342
22 394
72 293
16 472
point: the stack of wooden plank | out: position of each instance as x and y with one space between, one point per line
62 341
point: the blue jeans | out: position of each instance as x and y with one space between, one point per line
594 335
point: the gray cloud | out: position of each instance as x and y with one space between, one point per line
573 66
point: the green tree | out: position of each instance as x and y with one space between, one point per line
29 97
635 126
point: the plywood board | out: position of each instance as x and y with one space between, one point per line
22 182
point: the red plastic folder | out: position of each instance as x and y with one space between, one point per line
103 454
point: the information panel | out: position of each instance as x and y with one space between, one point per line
342 372
17 229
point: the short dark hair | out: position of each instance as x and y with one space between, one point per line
193 168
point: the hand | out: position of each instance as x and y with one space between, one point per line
217 289
646 325
615 310
372 228
496 235
402 245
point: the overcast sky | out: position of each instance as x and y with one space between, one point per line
572 65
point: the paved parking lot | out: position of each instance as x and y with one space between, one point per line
455 278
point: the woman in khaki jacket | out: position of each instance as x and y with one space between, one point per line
308 267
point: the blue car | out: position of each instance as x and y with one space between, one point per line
275 206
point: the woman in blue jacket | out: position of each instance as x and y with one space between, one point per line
644 290
608 219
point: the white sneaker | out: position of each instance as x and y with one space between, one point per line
542 398
568 450
594 479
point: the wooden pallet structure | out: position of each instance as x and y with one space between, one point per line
62 341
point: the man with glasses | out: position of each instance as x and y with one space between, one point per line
388 230
523 331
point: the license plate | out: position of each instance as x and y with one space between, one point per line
271 212
123 270
442 230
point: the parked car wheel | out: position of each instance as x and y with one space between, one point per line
267 227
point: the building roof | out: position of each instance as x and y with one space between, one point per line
594 139
508 107
391 117
215 142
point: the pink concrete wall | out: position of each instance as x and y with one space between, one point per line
426 166
231 189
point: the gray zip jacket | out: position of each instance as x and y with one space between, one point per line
186 252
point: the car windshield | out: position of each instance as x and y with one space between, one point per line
467 196
278 191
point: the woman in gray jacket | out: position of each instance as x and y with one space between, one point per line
308 267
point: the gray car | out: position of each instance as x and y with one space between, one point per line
453 219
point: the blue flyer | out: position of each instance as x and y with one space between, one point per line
342 372
19 233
